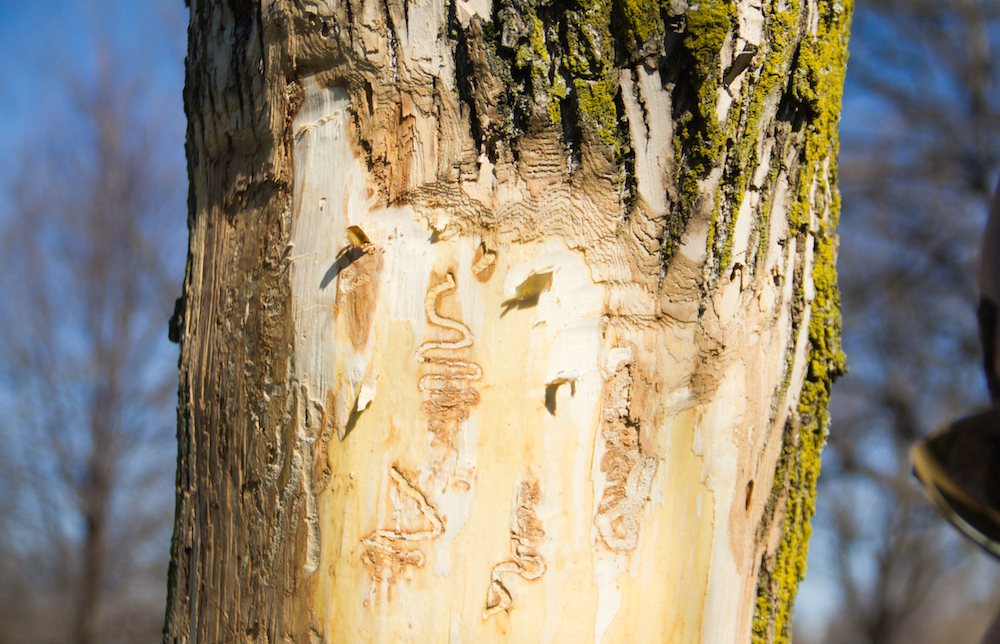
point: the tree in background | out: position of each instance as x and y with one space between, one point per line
88 270
919 161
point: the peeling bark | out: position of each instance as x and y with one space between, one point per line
498 315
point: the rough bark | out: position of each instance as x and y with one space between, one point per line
510 322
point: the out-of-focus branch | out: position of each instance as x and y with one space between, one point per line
89 281
915 180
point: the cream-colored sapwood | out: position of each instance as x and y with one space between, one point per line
457 371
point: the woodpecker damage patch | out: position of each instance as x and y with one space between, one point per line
628 471
526 534
387 552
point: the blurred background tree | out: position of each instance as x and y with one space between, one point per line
91 259
92 213
920 156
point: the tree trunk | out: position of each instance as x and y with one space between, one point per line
505 323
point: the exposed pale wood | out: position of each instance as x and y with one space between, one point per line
436 393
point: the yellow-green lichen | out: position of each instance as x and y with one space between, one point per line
641 26
781 45
562 54
559 91
698 138
533 54
707 26
565 58
818 85
764 210
596 102
590 60
759 96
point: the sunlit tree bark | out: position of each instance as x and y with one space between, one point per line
505 323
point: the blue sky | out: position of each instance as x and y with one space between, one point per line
45 41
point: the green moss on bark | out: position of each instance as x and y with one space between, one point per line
743 132
557 55
698 139
707 27
817 86
590 62
639 26
569 55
